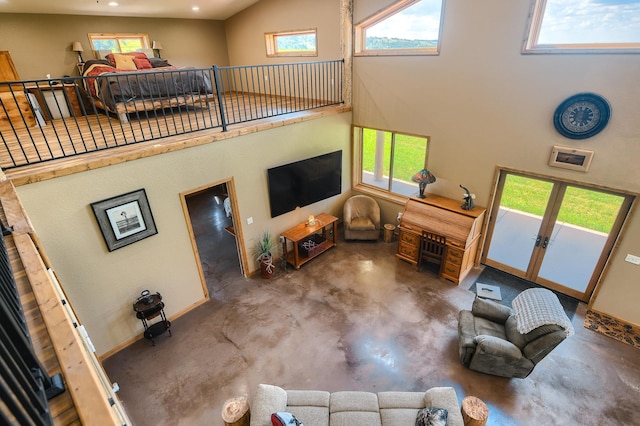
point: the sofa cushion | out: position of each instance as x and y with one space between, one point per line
399 408
489 328
311 407
311 416
268 399
490 310
445 397
401 400
352 408
355 418
362 223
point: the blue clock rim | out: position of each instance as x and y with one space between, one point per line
600 102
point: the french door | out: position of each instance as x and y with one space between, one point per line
555 233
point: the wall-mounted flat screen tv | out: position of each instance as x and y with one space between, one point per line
304 182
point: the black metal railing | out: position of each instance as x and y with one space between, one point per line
43 120
25 386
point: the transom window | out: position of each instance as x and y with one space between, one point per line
583 26
385 161
119 42
408 27
292 43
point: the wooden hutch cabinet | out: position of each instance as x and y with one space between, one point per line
442 216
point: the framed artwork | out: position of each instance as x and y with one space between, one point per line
124 219
570 158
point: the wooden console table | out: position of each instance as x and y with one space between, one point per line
443 216
299 232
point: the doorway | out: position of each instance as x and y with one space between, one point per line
555 233
214 235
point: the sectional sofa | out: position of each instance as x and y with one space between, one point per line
351 408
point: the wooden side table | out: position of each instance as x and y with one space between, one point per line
474 411
299 232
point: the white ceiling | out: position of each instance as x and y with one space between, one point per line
209 9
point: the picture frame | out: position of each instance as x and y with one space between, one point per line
571 158
124 219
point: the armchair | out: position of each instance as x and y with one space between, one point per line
501 341
361 218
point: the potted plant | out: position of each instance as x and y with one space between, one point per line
263 254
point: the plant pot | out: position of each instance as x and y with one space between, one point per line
267 268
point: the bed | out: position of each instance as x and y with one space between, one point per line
132 83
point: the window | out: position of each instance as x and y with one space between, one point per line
408 27
386 161
119 42
583 26
291 43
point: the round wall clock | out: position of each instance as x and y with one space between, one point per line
582 116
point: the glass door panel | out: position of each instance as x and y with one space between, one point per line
580 233
517 223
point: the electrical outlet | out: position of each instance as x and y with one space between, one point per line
249 220
632 259
281 239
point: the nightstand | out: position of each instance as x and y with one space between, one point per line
56 100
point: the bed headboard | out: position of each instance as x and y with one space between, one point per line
148 52
102 54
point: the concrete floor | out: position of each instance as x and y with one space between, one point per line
355 318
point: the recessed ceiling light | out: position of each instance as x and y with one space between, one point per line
195 8
113 3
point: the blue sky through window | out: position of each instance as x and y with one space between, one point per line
590 21
420 21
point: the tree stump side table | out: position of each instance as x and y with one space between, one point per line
474 411
236 412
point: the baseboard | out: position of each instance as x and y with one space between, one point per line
609 326
139 336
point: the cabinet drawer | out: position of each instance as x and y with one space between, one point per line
409 238
451 270
408 250
454 256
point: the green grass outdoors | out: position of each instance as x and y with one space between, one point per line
581 207
409 154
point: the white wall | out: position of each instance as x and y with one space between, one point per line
485 104
245 30
102 285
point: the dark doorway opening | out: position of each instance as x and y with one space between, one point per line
211 217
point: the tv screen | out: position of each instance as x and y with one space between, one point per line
304 182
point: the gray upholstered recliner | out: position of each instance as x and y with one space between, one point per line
501 341
361 218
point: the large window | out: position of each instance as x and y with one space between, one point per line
291 43
583 26
119 42
386 160
408 27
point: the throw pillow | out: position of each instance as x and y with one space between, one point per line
432 417
125 62
142 63
284 419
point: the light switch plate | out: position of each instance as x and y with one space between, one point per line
632 259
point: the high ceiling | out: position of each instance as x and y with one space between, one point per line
207 9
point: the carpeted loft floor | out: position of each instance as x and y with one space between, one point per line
357 318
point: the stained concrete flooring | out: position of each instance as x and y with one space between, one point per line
356 318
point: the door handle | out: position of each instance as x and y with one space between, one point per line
538 240
545 243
